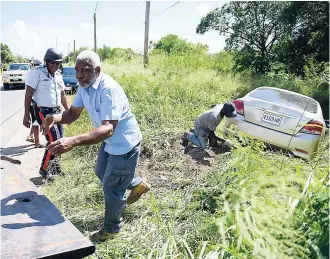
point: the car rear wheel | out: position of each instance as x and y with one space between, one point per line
6 86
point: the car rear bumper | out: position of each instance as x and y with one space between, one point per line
71 87
10 81
296 144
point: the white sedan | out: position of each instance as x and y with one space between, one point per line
282 118
15 75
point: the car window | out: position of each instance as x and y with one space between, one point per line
285 98
18 67
69 71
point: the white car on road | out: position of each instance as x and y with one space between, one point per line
15 75
282 118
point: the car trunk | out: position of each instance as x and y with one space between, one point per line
278 110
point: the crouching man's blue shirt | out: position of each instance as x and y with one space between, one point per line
106 100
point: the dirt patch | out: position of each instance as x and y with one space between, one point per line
169 165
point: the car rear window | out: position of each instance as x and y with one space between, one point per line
285 98
69 71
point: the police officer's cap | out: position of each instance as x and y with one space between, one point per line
53 55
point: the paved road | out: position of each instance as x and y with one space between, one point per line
11 102
13 133
12 105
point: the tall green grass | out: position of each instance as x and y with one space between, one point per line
250 203
167 97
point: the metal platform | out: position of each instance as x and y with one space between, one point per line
31 225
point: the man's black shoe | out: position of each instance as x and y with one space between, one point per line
47 176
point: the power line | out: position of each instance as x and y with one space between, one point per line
135 5
161 12
164 10
119 4
128 10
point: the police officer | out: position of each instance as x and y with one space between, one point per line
34 133
46 85
37 63
30 63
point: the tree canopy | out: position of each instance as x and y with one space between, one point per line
6 55
173 44
266 32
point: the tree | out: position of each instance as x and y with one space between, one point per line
309 38
250 26
172 43
73 55
21 59
6 54
110 53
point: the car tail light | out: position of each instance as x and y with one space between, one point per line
301 151
313 127
239 105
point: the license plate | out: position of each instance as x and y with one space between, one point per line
272 119
15 79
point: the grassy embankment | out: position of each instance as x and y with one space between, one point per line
203 205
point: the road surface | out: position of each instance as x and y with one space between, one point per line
34 218
13 133
12 104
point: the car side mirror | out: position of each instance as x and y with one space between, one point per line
4 69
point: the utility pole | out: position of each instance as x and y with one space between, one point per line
146 34
95 31
68 52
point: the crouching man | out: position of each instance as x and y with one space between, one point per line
116 127
206 124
